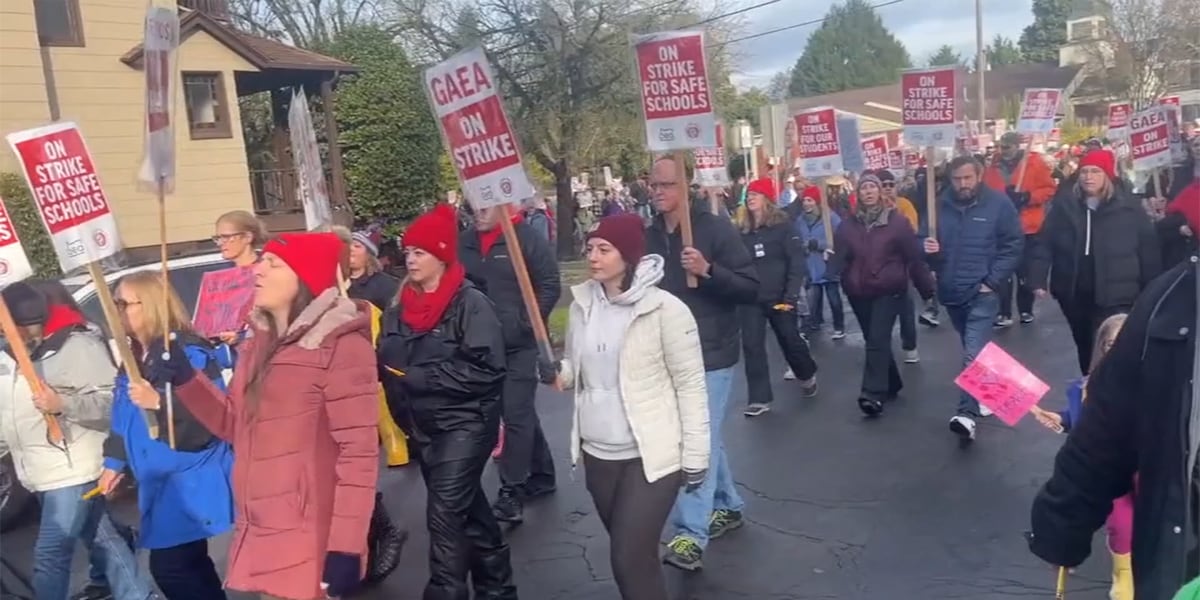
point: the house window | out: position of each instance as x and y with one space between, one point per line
1083 30
58 22
207 108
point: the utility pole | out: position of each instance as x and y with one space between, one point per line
980 62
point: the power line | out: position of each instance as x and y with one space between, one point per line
797 25
737 12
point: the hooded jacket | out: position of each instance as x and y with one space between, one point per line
713 302
306 451
660 369
76 363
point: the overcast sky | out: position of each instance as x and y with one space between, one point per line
922 26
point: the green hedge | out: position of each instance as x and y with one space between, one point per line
29 226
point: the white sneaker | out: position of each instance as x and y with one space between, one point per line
912 357
984 411
789 375
963 426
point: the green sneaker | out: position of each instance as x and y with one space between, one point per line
722 522
684 553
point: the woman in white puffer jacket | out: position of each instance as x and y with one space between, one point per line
641 409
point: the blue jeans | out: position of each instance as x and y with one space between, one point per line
67 519
974 322
692 510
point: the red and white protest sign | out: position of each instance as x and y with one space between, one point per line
224 301
1118 121
481 141
875 152
711 169
1038 110
66 188
676 99
930 106
159 48
14 264
817 134
1150 138
912 158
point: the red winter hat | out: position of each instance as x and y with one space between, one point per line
764 186
313 256
435 232
812 192
1187 203
1101 159
625 232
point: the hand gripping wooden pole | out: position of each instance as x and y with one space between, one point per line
54 431
120 338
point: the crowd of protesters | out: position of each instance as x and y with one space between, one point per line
285 452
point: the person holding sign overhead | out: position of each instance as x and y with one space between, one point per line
725 279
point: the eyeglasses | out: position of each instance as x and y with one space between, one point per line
123 304
662 185
889 184
222 238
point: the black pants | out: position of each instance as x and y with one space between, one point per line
908 322
464 537
526 458
1021 280
185 572
1084 318
817 293
754 320
633 511
877 318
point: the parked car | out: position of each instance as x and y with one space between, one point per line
185 274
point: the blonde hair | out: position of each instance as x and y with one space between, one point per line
1106 190
772 215
246 223
1106 334
158 313
347 237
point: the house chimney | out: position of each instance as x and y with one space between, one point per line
217 9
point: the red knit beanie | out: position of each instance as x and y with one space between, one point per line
812 192
313 256
764 186
435 232
1101 159
625 232
1187 203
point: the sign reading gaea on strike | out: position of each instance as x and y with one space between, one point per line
66 189
676 99
481 141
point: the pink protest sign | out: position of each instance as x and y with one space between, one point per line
224 301
1002 384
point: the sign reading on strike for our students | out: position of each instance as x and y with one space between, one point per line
930 106
66 189
875 152
478 134
14 264
1150 138
1038 110
817 133
1118 121
676 99
711 170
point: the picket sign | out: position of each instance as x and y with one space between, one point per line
820 153
929 111
996 380
64 185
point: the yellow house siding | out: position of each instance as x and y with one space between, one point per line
22 89
105 97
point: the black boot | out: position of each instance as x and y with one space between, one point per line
508 507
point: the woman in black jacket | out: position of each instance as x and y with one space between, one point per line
779 259
441 361
1097 252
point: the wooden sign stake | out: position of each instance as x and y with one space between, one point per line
168 391
120 338
685 223
931 192
526 285
54 431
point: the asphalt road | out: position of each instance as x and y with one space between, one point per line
838 506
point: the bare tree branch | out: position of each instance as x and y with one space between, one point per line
1141 48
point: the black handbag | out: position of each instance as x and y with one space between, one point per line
385 544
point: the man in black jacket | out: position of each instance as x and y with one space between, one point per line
526 465
725 275
1141 417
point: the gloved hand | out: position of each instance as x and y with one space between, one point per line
813 246
176 370
342 573
1019 199
692 480
548 371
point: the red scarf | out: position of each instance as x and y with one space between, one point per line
61 317
422 310
488 238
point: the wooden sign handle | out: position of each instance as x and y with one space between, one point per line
826 214
117 328
54 432
931 192
169 396
526 285
685 223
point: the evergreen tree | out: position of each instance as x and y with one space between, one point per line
852 49
1041 40
946 56
1002 51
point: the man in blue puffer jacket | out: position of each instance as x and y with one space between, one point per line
976 249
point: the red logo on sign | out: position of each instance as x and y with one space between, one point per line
100 238
3 267
506 187
63 180
674 77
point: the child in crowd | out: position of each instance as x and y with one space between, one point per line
1120 520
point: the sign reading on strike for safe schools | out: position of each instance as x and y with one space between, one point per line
1038 110
676 99
14 264
711 170
481 141
930 106
66 189
1118 121
817 136
1150 138
875 152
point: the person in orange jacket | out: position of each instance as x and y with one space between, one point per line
1029 192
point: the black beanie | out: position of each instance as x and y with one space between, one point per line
27 305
